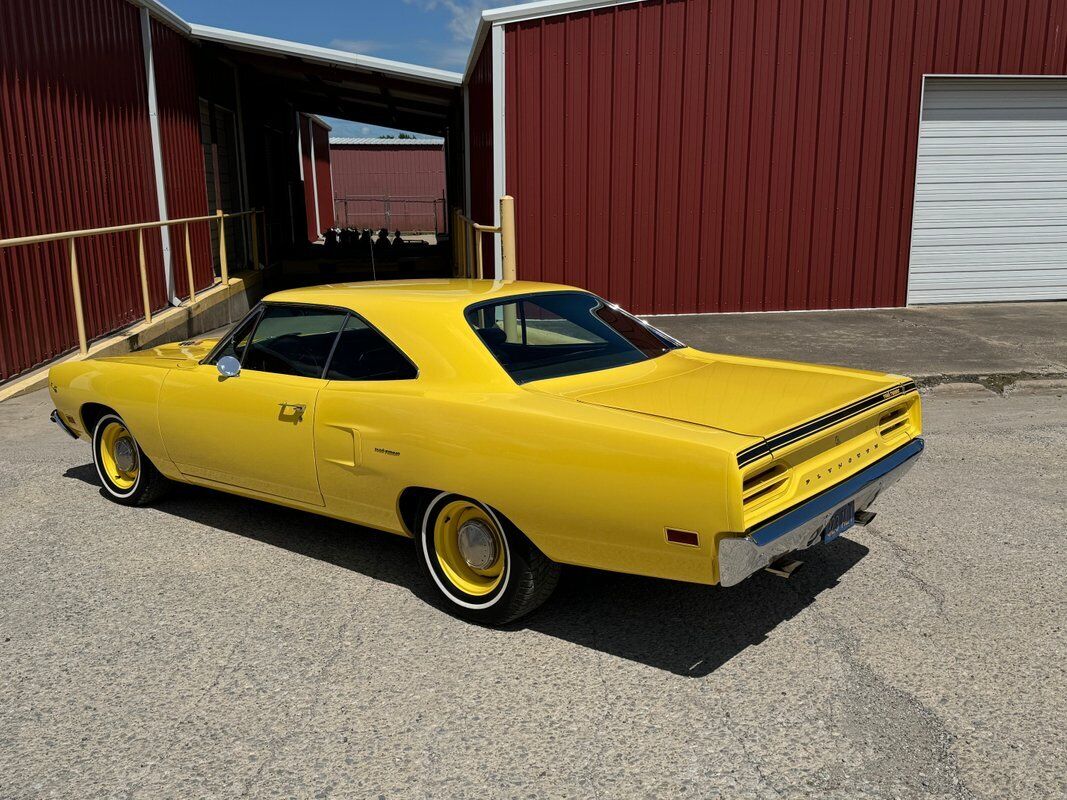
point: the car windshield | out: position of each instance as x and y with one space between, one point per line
553 334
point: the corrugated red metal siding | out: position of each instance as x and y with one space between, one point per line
322 175
411 178
480 108
724 155
183 156
306 163
75 152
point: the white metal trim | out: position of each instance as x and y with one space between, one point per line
547 8
300 143
164 14
914 189
324 55
314 176
467 149
476 47
157 152
499 141
367 141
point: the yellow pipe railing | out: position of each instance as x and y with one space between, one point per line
467 252
140 227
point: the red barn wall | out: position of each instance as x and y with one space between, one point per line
324 183
731 155
75 152
307 164
480 121
410 177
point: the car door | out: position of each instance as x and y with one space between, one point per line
367 423
254 430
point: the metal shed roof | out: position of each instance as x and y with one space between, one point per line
345 141
321 80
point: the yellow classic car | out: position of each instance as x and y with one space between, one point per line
508 428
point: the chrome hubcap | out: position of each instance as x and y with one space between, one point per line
477 544
125 456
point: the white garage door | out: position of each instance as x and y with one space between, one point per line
991 192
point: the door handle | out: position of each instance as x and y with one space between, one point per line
298 408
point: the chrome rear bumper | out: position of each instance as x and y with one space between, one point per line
802 526
58 420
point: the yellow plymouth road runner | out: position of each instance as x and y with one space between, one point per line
507 428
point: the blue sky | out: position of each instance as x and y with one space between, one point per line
434 33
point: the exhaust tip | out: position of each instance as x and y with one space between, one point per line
784 569
864 517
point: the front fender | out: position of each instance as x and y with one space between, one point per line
132 391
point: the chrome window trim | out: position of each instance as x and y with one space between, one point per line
261 306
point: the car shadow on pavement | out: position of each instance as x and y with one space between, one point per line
687 629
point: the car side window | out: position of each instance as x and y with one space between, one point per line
238 339
293 340
363 354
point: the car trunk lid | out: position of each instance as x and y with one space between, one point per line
752 397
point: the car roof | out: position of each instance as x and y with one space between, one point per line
457 292
425 319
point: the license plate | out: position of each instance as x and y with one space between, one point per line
843 519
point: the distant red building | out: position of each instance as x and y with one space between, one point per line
397 184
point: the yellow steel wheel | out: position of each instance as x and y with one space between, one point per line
469 547
118 455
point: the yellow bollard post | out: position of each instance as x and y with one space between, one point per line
144 276
509 269
189 266
461 235
223 266
75 287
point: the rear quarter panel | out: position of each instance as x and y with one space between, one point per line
589 486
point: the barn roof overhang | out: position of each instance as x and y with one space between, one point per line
336 83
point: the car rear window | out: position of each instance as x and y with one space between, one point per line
552 334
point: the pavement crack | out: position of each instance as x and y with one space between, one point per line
751 760
901 744
909 565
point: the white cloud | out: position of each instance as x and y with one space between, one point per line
443 54
463 14
363 47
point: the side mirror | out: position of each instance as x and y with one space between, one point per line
228 367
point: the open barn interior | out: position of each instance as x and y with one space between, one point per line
266 107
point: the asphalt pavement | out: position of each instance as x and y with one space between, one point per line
219 647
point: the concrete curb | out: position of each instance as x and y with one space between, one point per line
997 382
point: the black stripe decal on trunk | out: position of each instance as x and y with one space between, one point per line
757 451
